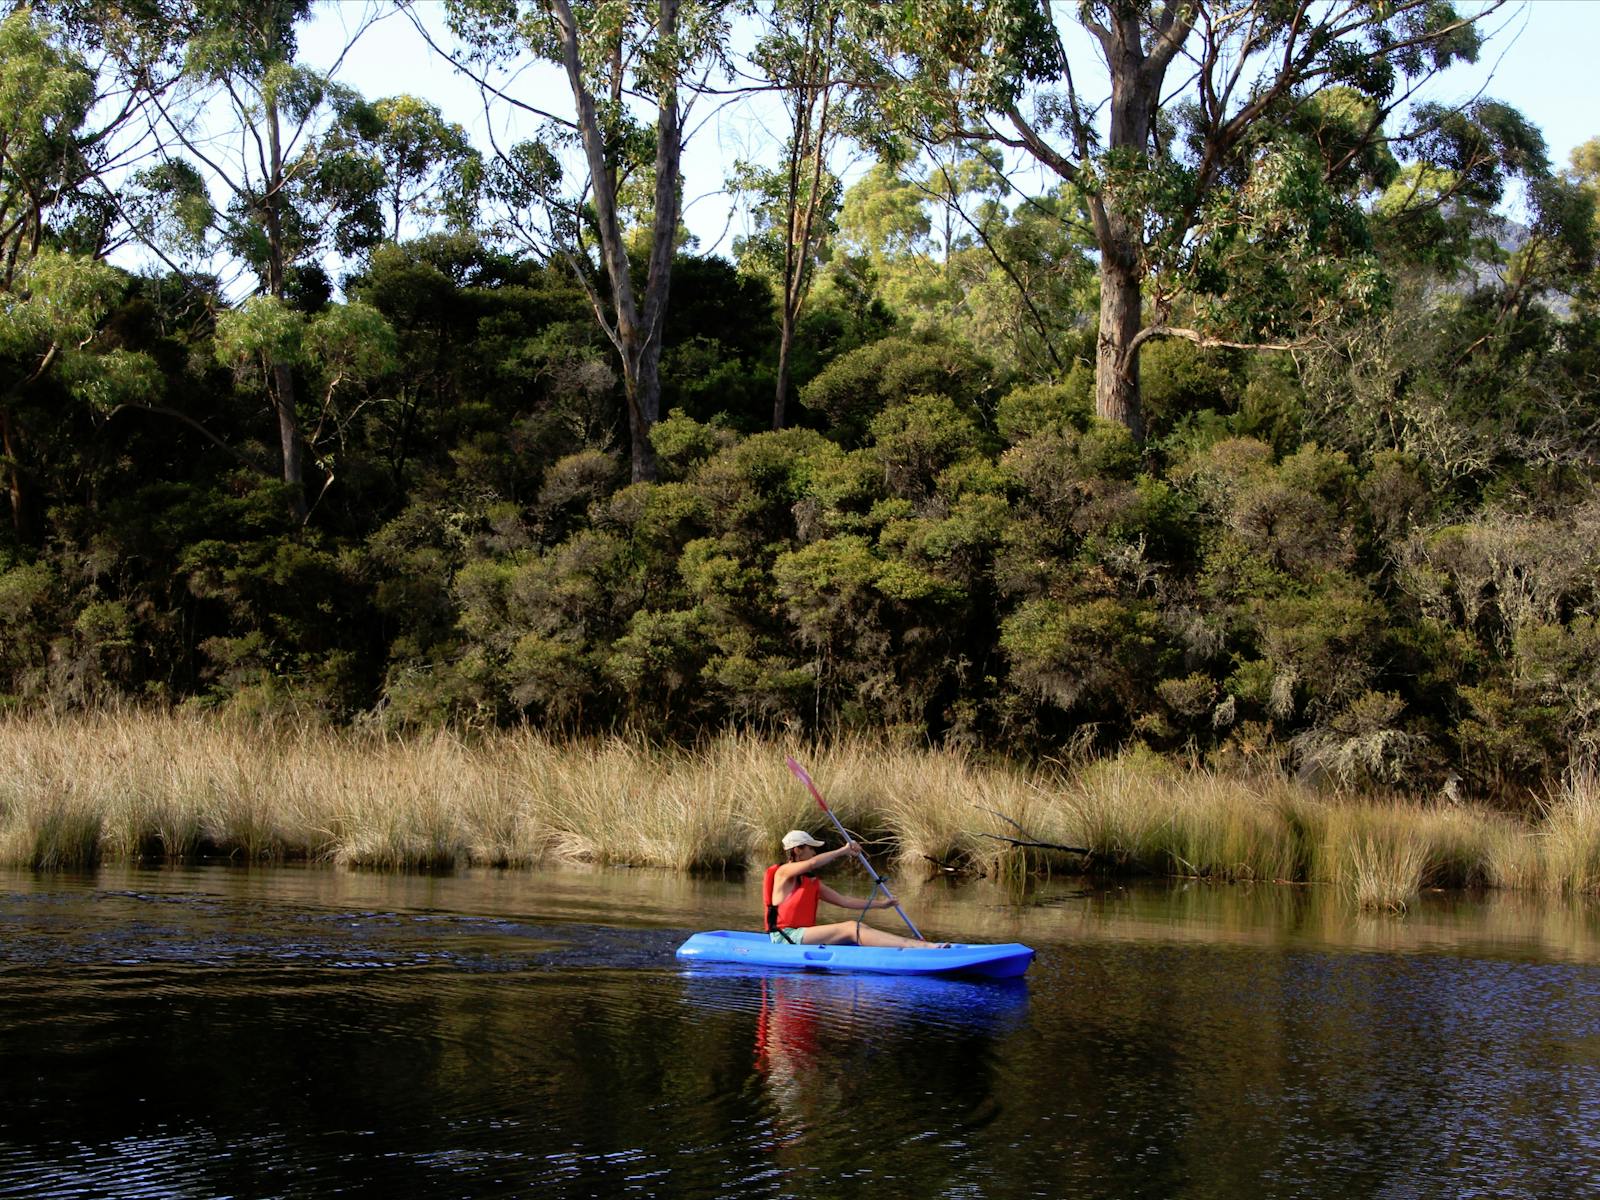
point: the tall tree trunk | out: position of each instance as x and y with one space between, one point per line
283 402
1137 73
793 253
14 488
780 398
644 409
1116 375
808 149
663 248
638 324
282 386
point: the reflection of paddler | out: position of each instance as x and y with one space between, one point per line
787 1051
790 892
787 1027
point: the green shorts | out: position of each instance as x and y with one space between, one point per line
793 936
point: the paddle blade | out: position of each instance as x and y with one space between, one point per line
803 777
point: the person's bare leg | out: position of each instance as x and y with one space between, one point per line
843 933
881 937
840 933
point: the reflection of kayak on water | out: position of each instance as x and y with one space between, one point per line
865 1007
1003 961
852 1013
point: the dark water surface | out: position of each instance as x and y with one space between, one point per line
308 1032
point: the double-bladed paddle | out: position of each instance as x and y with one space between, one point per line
803 777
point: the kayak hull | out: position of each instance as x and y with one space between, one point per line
1003 961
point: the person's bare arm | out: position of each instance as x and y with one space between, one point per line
855 903
816 862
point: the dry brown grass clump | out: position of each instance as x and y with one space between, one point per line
1570 834
1144 816
76 790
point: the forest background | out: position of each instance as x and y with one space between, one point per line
1228 412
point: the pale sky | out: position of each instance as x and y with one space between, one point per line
1541 61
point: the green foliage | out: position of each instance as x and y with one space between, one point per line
1046 408
55 299
758 487
1096 658
717 357
1178 380
914 442
429 168
348 342
859 385
46 93
1371 560
682 443
1322 647
26 595
261 332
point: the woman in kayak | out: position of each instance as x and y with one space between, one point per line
791 890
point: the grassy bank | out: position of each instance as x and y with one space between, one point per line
75 791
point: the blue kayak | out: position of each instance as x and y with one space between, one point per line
1003 961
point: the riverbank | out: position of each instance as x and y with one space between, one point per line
79 790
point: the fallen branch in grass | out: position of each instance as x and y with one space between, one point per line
1027 840
1037 845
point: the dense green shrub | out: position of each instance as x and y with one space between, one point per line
857 386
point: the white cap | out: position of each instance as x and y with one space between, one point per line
798 837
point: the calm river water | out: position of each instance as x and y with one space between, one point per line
218 1031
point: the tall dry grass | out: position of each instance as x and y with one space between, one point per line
1148 818
75 790
1382 854
78 790
1570 834
1370 852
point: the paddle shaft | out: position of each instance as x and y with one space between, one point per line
801 774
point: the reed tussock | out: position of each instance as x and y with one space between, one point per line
169 786
48 819
1570 834
78 790
622 801
1370 853
1384 854
1202 824
937 806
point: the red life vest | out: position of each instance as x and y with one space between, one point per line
799 908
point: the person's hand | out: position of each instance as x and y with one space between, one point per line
853 848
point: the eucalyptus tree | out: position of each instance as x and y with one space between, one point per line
884 215
622 61
1025 280
430 170
46 92
341 349
272 139
1222 146
800 59
948 252
63 122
